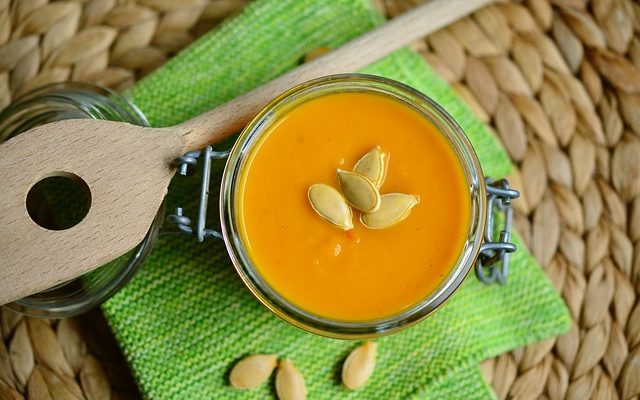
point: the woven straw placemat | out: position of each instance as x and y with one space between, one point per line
559 82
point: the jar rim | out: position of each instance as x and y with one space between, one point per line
241 259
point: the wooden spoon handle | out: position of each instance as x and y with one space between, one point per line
232 116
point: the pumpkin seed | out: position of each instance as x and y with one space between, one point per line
359 365
359 191
330 205
394 207
252 371
290 382
385 167
373 165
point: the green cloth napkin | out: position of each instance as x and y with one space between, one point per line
186 317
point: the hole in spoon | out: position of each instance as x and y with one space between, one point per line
59 201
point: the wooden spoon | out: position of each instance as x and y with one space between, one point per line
128 168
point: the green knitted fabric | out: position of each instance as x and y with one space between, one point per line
186 317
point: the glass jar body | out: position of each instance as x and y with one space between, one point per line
63 101
231 192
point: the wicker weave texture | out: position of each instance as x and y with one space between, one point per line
559 82
109 42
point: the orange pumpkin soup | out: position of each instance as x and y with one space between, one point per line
359 274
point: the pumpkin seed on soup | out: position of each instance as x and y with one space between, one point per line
329 203
373 165
359 191
394 207
385 167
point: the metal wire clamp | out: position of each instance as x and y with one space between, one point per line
493 263
182 222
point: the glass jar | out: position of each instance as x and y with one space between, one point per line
231 192
71 100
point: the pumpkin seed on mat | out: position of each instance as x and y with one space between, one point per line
359 365
394 207
290 382
373 165
359 191
252 371
331 205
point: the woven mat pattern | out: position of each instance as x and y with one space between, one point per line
559 82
